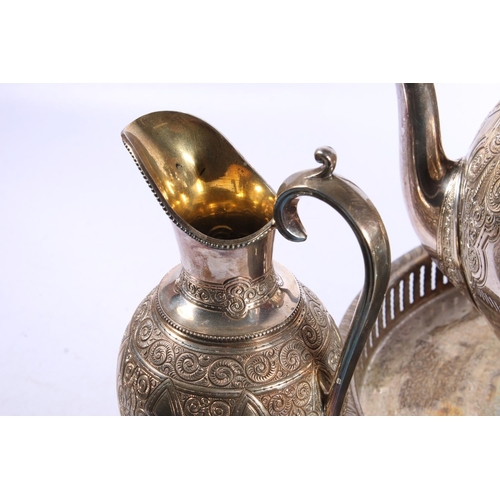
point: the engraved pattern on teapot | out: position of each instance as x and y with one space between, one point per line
480 210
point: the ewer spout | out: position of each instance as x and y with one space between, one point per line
205 186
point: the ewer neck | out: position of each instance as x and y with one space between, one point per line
251 258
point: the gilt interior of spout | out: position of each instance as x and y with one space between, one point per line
199 176
232 206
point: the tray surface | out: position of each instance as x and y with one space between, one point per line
431 352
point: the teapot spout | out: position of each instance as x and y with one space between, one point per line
426 171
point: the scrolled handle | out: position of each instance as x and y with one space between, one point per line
366 223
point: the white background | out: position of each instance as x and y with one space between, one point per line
83 239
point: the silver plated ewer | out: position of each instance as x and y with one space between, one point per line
229 331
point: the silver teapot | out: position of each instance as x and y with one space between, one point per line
229 331
454 205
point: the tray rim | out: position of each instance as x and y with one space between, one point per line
415 279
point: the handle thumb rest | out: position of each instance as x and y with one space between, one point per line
366 223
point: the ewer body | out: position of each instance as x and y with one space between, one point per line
228 331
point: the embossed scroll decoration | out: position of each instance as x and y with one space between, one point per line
235 297
159 374
480 211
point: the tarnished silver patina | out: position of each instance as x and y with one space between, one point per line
430 351
229 331
454 205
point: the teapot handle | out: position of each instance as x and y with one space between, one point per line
365 221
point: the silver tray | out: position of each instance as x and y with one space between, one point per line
430 352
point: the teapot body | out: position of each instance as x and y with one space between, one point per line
454 205
479 219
